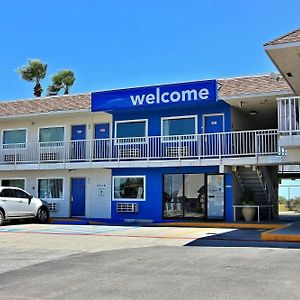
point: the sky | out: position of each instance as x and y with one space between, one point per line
124 43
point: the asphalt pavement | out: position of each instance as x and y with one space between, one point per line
115 262
160 273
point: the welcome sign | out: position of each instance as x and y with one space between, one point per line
181 94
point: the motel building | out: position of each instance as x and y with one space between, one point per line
184 151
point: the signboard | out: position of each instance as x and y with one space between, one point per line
180 94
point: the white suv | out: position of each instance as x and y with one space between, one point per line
15 203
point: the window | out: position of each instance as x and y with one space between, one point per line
20 194
50 188
179 126
20 183
47 136
131 129
129 188
7 193
15 138
184 196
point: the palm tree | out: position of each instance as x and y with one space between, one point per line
62 80
35 71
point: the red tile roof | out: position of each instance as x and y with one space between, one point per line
249 85
230 87
290 37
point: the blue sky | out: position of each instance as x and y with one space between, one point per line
122 43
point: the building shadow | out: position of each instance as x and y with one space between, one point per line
240 238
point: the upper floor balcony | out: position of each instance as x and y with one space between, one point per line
227 148
289 122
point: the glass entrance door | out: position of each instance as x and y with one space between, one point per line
173 196
215 196
184 196
194 196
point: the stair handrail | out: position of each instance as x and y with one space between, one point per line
269 185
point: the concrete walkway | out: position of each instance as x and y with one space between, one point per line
289 233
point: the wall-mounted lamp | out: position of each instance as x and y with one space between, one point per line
253 113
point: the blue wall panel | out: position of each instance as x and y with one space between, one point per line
154 117
151 208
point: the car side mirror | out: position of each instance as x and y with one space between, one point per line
29 199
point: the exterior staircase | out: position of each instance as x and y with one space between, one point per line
252 178
258 180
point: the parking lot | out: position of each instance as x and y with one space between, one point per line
124 262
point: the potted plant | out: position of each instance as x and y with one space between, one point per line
247 199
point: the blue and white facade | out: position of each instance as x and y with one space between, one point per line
159 124
183 151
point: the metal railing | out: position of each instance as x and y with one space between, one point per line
288 115
252 143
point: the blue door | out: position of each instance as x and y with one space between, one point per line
77 197
213 123
78 144
212 144
101 145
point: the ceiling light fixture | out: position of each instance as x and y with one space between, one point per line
253 113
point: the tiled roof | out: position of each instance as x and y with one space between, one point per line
230 87
249 85
290 37
46 105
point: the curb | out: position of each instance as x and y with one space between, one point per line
221 225
271 235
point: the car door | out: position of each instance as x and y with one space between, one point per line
11 204
26 206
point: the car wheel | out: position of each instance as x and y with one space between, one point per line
42 215
1 218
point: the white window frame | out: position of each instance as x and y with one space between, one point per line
51 199
15 178
13 129
58 126
128 199
140 140
168 138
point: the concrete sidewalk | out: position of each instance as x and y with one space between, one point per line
289 233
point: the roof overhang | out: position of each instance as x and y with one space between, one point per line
286 58
69 113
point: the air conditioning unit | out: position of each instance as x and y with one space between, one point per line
53 207
48 156
127 207
177 151
12 157
129 153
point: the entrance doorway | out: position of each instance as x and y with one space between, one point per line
78 136
77 197
192 196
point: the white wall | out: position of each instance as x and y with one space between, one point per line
241 121
97 203
33 124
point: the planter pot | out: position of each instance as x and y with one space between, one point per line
248 213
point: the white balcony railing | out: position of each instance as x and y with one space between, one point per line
289 115
252 143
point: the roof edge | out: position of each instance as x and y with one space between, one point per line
281 37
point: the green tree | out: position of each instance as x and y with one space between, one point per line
35 71
63 80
